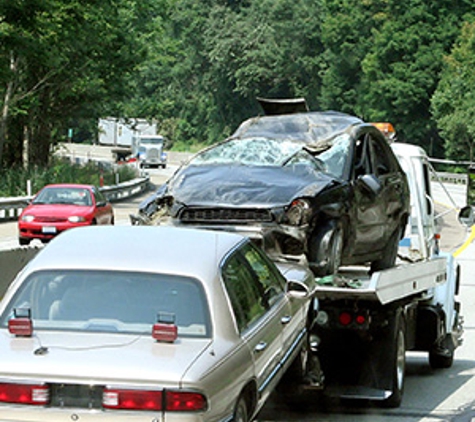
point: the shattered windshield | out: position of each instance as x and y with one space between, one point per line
335 158
250 151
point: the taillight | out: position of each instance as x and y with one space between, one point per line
172 401
132 399
345 318
184 402
35 394
348 319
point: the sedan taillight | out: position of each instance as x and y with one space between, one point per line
35 394
172 401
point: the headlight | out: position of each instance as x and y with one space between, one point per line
299 212
27 218
76 219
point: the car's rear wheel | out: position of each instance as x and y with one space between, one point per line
240 411
389 254
326 249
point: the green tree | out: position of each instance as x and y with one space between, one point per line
453 103
61 60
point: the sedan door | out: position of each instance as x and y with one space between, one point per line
260 317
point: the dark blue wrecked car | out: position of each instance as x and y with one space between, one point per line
323 187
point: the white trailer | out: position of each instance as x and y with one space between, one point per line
367 322
122 134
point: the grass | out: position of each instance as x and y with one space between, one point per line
14 181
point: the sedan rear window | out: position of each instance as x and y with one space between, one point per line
112 301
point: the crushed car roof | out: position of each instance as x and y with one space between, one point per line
313 128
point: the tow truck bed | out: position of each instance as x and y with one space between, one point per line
401 281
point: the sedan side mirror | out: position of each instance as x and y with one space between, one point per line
370 183
466 216
297 289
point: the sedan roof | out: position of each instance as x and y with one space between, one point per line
170 250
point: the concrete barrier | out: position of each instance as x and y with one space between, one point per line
11 262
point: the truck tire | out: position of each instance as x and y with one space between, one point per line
397 362
325 249
441 357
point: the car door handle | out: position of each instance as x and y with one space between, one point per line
285 319
260 346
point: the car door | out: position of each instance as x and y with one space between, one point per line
392 194
259 314
293 321
369 214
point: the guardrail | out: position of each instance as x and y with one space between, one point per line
10 208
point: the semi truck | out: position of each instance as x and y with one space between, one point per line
366 322
133 139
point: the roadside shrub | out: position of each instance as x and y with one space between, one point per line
61 170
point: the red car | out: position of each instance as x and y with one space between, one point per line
59 207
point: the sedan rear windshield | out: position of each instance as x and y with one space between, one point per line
111 302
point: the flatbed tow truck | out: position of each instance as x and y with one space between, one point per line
367 322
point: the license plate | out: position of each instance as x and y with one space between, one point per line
48 229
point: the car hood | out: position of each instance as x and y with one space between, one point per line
97 358
56 210
244 186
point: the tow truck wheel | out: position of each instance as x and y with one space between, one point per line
398 365
441 357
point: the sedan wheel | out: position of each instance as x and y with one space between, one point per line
326 249
240 411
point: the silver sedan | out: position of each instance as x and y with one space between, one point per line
150 324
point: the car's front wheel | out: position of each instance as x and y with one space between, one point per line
23 241
326 249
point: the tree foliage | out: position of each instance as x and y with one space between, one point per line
453 103
196 68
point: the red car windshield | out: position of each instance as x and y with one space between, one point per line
64 195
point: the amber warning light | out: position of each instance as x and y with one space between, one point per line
387 129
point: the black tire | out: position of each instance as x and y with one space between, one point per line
442 357
23 241
397 362
241 413
326 249
389 256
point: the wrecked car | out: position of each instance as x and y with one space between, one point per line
323 187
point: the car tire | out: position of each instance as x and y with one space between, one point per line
389 254
23 241
240 413
326 249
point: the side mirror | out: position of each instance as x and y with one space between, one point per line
466 216
370 183
297 289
